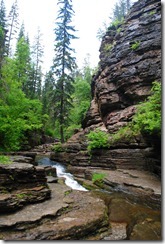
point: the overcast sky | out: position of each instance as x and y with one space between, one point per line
89 17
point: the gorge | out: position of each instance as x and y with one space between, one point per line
124 202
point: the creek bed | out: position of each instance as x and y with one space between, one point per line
131 216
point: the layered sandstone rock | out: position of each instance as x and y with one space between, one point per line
126 72
21 184
130 60
66 216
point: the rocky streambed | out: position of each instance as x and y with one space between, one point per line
114 208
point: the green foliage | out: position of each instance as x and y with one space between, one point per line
121 9
97 139
98 177
5 160
148 116
125 133
108 47
63 65
22 66
71 130
152 12
21 195
147 119
135 45
118 30
18 114
116 23
66 193
57 148
80 100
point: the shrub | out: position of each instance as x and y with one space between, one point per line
147 119
58 147
98 177
5 160
148 116
108 47
125 133
97 139
135 45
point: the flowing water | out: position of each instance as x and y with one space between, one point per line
61 173
125 209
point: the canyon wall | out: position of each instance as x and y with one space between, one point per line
130 61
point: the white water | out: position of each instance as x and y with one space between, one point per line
61 173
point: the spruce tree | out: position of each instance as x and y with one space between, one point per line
63 64
12 25
23 63
37 56
121 9
3 32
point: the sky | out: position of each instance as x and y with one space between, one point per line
89 17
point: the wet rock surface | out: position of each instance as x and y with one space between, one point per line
130 200
21 184
68 215
141 184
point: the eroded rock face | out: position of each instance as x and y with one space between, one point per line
66 216
130 60
21 184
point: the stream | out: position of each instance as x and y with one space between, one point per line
130 218
61 173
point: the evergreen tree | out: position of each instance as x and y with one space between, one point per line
64 64
81 99
121 9
47 93
47 103
21 32
37 55
3 32
23 63
2 15
12 25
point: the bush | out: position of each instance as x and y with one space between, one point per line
98 177
135 45
97 139
148 117
57 148
146 121
5 160
125 133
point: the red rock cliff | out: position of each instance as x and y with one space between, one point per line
130 60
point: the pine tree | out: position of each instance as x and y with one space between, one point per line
64 64
12 25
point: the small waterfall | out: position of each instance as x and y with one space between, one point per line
61 173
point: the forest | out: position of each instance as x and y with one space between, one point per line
53 104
